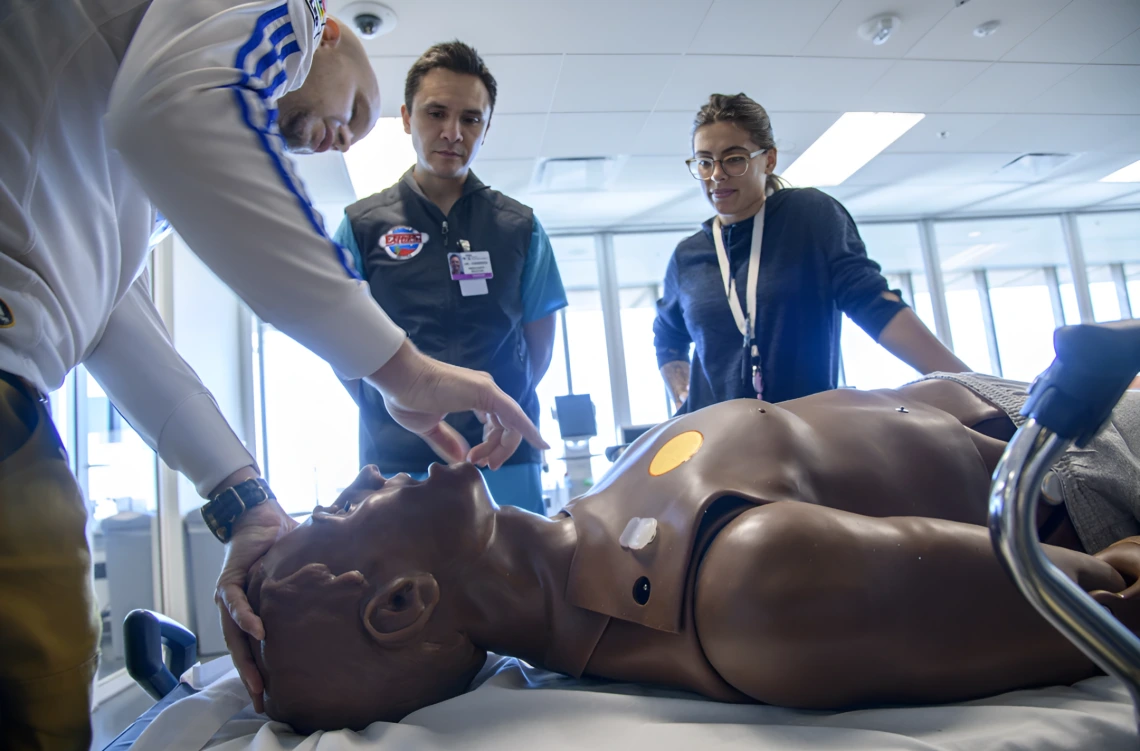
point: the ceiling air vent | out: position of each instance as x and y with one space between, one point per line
573 175
1033 166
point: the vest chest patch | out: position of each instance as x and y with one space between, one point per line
403 243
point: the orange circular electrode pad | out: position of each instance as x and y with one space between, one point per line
678 450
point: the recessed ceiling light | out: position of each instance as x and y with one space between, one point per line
1129 174
378 160
975 233
853 140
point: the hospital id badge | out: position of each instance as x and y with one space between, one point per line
471 270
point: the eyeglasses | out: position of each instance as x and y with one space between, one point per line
734 165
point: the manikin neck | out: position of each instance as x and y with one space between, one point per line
442 191
512 593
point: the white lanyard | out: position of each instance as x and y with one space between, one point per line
746 325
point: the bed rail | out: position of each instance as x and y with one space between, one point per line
1068 404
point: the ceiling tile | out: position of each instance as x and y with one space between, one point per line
795 131
779 83
1007 87
1080 32
508 176
686 210
781 28
919 85
653 173
595 209
525 82
952 38
519 27
669 133
1124 52
1095 90
632 82
959 130
944 170
390 74
591 134
1056 133
665 133
838 36
514 137
914 200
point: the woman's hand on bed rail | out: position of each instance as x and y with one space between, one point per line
253 535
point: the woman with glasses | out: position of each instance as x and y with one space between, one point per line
759 289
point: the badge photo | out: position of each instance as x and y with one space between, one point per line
403 243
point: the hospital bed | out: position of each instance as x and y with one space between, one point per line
512 705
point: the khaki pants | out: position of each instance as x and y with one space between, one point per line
49 628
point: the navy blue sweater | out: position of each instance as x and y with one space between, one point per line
813 267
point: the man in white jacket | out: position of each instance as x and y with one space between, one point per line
112 111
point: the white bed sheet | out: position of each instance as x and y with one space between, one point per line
515 707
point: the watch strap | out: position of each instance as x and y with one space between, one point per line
226 507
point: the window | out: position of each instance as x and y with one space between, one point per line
311 448
586 367
895 247
1111 244
118 474
553 384
1004 291
641 260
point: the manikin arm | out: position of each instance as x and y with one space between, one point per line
899 609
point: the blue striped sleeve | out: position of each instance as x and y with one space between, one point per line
542 291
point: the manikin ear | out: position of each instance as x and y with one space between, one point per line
400 609
330 37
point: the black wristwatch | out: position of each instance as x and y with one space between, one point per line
224 509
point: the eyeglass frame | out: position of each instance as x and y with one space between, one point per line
692 160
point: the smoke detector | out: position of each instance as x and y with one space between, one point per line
370 19
880 28
986 29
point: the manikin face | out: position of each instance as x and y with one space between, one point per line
338 103
448 121
731 196
361 618
384 527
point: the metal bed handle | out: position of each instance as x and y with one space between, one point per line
1069 403
144 634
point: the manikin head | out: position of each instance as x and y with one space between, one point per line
339 101
362 619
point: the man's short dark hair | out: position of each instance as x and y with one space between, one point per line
454 56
